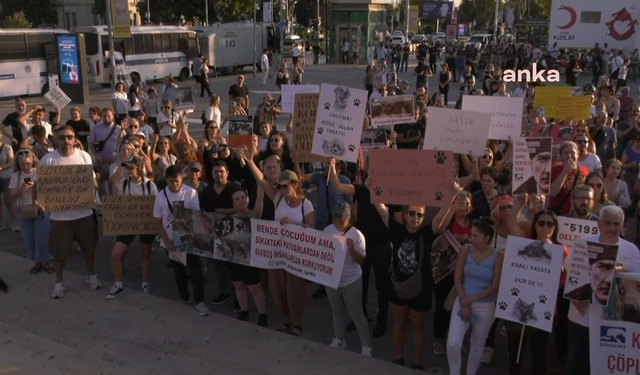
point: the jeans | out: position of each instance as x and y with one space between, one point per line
404 63
537 340
595 78
344 304
378 257
578 360
35 234
195 275
484 313
441 316
223 277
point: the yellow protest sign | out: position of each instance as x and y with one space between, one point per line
574 108
547 98
127 215
66 187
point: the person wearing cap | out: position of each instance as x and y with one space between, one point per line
627 259
565 177
345 300
540 157
194 171
134 184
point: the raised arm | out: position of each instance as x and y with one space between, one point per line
257 174
344 189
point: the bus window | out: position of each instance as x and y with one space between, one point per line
91 43
175 42
13 47
183 43
166 43
157 43
148 43
128 47
36 43
138 43
194 46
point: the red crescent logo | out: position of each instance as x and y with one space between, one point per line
573 17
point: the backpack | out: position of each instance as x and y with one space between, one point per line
126 183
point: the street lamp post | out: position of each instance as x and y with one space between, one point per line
148 12
206 12
112 47
255 11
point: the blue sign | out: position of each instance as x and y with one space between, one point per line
283 25
436 10
613 335
68 55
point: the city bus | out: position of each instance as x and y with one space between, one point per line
152 52
28 63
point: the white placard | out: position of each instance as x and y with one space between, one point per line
571 229
532 165
506 114
57 97
339 122
529 282
456 130
289 92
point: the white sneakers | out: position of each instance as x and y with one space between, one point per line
58 291
487 355
93 281
203 310
59 288
342 344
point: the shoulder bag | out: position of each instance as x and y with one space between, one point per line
412 287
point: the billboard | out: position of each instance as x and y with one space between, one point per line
68 63
582 23
436 10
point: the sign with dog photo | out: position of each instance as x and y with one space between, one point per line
339 122
391 110
590 267
420 177
232 241
529 282
613 330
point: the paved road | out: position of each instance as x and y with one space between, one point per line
317 320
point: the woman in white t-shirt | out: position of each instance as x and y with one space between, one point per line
134 184
167 119
346 300
213 110
135 104
34 224
291 207
116 171
120 103
6 170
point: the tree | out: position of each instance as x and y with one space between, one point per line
305 11
38 12
16 21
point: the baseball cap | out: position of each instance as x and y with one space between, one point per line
133 162
194 165
287 176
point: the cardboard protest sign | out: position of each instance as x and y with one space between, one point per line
390 110
529 282
128 215
444 254
339 122
588 264
456 130
241 131
289 92
547 98
57 97
66 187
305 108
571 229
614 330
574 108
304 252
532 166
420 177
506 114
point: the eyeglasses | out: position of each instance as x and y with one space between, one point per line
66 136
417 214
487 157
23 152
282 186
548 224
274 140
583 198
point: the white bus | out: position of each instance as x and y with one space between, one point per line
152 52
25 67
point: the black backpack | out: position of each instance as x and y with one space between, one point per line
126 183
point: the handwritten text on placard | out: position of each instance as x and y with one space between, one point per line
66 187
128 215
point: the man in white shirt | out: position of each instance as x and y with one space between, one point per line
167 201
296 53
610 226
195 71
77 224
264 66
616 64
520 91
34 116
553 51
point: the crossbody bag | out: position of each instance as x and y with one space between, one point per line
412 287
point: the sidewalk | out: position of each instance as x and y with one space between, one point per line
83 334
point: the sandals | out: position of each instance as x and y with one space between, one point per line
37 268
48 268
295 331
398 361
286 328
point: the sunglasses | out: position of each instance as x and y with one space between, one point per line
130 168
282 186
417 214
548 224
274 140
64 136
23 152
487 157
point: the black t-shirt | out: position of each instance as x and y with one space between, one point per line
406 252
80 126
369 221
409 131
236 91
12 121
210 200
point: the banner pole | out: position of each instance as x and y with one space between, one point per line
520 345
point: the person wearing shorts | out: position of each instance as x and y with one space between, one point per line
134 184
80 225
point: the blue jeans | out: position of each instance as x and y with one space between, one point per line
35 234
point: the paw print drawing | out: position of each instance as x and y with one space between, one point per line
440 157
542 299
356 102
378 190
515 292
297 124
327 106
547 315
352 148
439 195
320 130
502 305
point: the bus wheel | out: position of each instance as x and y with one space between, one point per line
135 78
184 74
45 88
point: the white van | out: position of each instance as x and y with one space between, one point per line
288 43
479 39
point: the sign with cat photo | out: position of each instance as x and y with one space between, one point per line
590 267
419 177
339 121
529 282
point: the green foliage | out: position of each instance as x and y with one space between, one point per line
37 12
99 7
16 21
305 11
